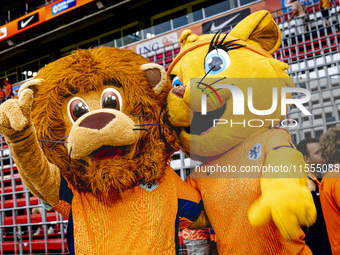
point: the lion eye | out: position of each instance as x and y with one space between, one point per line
111 99
76 108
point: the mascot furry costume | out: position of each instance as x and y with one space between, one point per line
253 212
108 169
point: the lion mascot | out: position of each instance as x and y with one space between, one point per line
252 209
90 139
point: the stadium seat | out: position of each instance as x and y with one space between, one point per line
37 245
35 218
9 189
20 202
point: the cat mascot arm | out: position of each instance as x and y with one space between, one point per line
285 196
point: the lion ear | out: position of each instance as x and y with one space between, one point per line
259 29
156 76
32 85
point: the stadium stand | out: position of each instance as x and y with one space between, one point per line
314 64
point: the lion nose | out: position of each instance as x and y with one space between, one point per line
97 120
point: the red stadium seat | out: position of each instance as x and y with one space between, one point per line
168 53
168 60
52 244
9 189
7 169
35 218
20 202
8 177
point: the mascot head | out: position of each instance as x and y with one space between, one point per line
100 117
240 60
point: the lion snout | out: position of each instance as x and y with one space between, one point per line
98 128
97 121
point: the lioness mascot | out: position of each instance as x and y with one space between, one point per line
90 139
252 209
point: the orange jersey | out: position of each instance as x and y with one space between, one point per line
144 220
325 4
330 202
228 196
8 90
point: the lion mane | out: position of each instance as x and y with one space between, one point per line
87 71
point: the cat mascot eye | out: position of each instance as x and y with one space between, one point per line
216 61
176 82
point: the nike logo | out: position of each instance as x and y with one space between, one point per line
24 24
213 27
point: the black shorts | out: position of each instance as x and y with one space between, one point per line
325 12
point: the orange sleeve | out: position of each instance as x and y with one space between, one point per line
336 192
65 199
279 138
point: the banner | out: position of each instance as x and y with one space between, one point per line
157 45
221 23
39 16
147 46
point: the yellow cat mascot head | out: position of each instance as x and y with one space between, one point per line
241 60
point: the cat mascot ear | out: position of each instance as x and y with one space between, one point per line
259 29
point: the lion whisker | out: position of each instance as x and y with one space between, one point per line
145 129
151 124
143 116
69 156
169 147
159 119
46 141
59 141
